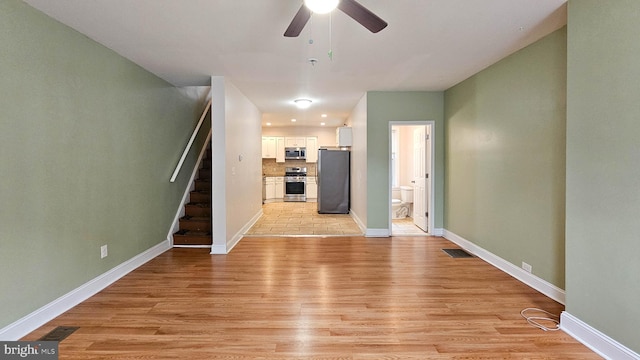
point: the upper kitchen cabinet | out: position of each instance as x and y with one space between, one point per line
273 148
344 136
295 142
268 147
312 149
280 149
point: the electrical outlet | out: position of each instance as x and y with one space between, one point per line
104 251
526 267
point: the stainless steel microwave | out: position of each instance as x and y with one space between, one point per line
295 153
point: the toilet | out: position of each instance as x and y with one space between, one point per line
400 207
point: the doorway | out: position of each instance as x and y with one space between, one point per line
410 177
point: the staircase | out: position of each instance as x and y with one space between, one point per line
195 225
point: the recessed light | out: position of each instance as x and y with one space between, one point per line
268 124
302 103
324 115
321 124
293 120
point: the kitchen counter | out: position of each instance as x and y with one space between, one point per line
272 169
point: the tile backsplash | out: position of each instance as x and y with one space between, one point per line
272 168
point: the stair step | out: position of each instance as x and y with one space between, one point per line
202 185
186 237
195 226
193 223
204 174
198 209
200 197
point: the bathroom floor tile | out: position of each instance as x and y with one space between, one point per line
405 227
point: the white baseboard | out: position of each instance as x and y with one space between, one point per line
594 339
369 232
383 232
533 281
219 250
225 249
36 319
358 221
192 246
238 236
377 233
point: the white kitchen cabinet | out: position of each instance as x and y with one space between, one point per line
312 149
273 188
295 142
312 187
273 148
280 149
269 188
279 190
269 147
344 136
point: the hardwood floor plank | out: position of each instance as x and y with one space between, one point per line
314 298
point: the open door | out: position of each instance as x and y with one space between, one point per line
420 177
411 163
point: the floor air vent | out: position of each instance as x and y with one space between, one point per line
457 253
58 334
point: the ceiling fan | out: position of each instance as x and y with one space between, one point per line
350 7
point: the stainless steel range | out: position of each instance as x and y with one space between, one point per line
295 184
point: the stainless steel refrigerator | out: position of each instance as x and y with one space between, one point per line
333 180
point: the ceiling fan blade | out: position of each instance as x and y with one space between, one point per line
299 21
362 15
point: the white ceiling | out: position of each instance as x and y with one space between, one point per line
428 45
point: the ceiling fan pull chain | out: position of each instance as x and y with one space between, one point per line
330 53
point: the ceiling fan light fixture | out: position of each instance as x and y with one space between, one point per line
321 6
302 103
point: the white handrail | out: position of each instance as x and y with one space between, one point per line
193 137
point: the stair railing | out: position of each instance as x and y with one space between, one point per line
193 137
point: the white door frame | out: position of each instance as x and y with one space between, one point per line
432 172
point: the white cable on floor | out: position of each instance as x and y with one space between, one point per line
533 320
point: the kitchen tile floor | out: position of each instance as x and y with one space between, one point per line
301 218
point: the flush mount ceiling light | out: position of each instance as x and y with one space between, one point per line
321 6
302 103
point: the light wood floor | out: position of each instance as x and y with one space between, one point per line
314 298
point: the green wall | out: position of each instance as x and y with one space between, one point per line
88 141
386 106
505 158
603 167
